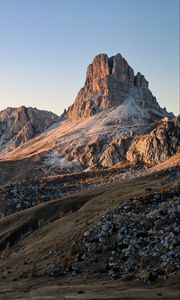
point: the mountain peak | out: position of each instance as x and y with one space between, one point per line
109 81
18 125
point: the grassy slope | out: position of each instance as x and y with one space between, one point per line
50 228
15 170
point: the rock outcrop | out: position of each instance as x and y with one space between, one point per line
18 125
109 82
114 119
158 145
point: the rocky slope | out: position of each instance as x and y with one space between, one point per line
114 119
158 145
17 125
139 235
128 230
109 82
116 214
106 149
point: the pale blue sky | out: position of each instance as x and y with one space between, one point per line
46 45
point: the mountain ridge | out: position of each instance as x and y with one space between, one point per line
93 193
106 125
17 125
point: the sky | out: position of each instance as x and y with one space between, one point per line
46 46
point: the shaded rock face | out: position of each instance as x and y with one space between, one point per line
18 125
109 81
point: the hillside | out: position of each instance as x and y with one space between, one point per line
89 201
47 250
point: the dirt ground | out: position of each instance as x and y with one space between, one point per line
14 170
92 289
42 235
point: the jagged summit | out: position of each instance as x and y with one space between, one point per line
104 126
109 82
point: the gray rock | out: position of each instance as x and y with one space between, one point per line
135 248
109 81
17 125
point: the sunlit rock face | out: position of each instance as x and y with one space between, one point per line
18 125
109 82
158 145
114 119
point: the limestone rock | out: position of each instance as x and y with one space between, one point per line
114 152
114 118
161 142
109 82
18 125
158 145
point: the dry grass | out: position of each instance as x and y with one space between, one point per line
63 220
25 167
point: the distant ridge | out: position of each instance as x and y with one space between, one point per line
17 125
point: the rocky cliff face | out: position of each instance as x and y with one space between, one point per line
18 125
158 145
151 148
115 118
109 82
